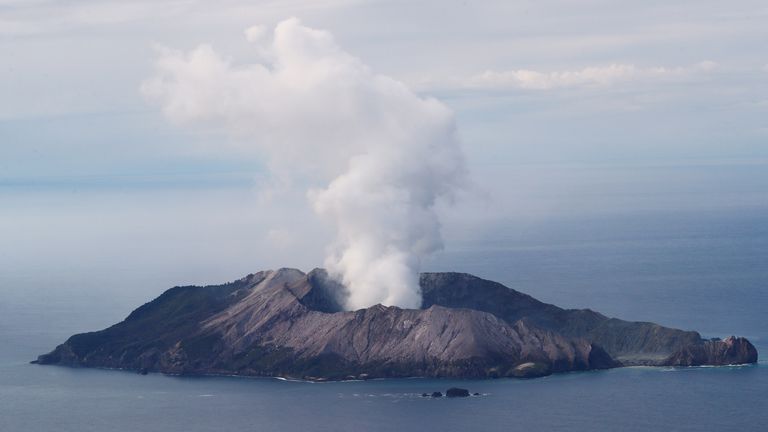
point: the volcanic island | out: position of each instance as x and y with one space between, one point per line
290 324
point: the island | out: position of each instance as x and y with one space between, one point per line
291 324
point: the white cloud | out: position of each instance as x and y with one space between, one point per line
255 33
383 155
594 76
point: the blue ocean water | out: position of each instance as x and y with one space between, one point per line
706 271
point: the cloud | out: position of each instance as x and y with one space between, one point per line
255 33
594 76
380 156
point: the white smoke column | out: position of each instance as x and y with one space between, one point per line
383 154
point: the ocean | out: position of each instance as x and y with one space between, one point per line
704 270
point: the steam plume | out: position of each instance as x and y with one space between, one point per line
383 155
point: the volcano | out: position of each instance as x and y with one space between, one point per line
286 323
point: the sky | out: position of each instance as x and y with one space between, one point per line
560 106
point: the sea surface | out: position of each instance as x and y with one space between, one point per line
700 270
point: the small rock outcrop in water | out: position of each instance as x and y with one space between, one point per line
731 350
456 392
290 324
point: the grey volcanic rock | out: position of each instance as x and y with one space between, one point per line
287 323
530 370
629 343
731 350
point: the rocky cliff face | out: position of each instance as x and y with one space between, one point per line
629 343
287 323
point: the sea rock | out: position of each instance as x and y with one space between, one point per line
290 324
456 392
437 395
729 351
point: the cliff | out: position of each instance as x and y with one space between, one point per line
287 323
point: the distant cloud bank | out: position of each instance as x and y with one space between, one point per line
593 76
